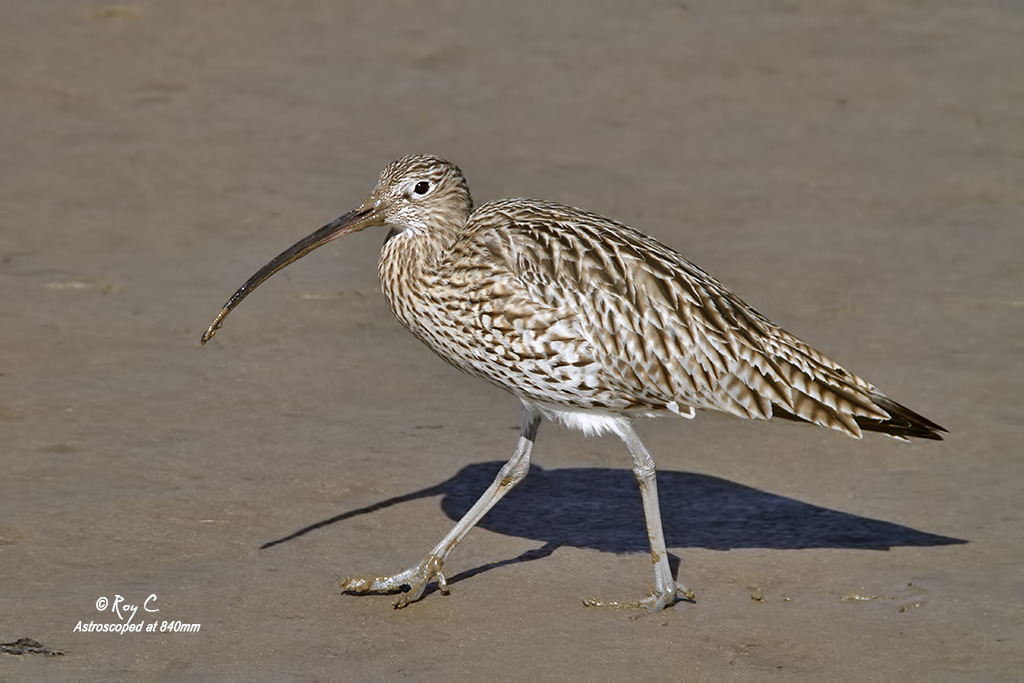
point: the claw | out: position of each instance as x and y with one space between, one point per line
652 603
413 581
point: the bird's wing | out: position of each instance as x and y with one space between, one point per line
495 328
659 330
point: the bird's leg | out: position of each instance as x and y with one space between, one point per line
666 590
417 577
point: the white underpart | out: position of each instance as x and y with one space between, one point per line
590 422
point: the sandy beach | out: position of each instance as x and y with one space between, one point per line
853 170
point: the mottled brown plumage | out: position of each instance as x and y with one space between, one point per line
588 322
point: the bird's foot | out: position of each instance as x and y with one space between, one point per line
656 602
413 581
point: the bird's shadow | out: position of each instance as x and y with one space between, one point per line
599 508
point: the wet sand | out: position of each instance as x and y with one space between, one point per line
853 170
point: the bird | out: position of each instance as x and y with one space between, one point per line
589 323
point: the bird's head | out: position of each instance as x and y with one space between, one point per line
420 193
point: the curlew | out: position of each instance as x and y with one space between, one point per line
589 323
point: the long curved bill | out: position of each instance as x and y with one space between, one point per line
353 221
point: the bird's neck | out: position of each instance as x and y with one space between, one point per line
409 262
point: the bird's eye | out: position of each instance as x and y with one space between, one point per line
422 187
